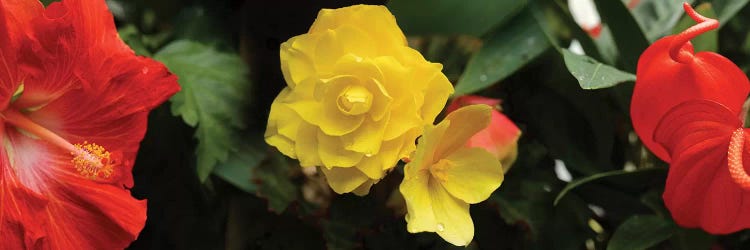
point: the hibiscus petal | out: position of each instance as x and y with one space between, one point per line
454 223
79 212
472 174
15 16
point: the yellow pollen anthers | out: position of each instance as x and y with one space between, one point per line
92 161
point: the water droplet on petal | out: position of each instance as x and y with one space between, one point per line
440 227
368 155
144 70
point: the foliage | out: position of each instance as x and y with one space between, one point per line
212 183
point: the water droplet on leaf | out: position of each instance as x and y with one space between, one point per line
483 78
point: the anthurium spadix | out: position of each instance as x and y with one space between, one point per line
73 106
669 73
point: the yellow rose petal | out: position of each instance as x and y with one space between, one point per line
332 155
363 189
453 222
368 138
472 174
344 180
306 146
465 122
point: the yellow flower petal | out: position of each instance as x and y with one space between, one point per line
344 180
380 22
453 222
364 189
296 64
414 188
368 138
465 122
436 92
307 149
333 155
283 144
470 174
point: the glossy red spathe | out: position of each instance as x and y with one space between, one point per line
669 73
73 106
707 185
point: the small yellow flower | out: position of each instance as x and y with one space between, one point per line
356 98
445 176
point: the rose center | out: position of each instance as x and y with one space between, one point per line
355 100
89 159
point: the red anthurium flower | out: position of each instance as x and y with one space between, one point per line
669 73
707 185
73 106
500 138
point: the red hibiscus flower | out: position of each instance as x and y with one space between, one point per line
500 138
73 105
669 73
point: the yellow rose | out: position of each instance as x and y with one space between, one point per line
356 98
445 176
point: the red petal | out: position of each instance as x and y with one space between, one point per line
499 137
76 212
663 83
14 18
75 45
469 100
699 191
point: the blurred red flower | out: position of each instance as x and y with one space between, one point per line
74 101
500 138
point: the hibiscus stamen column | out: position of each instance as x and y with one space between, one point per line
89 159
704 25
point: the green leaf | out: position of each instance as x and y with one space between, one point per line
275 182
214 86
658 17
240 165
506 50
592 74
641 232
450 17
132 37
611 175
708 41
726 9
628 36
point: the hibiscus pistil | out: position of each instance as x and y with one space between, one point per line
89 159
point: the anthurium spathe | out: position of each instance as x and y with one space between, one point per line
444 176
707 185
73 106
669 73
500 138
356 97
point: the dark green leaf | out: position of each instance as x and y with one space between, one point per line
240 165
592 74
214 85
506 50
628 36
606 176
641 232
132 37
275 184
726 9
425 17
657 17
708 41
